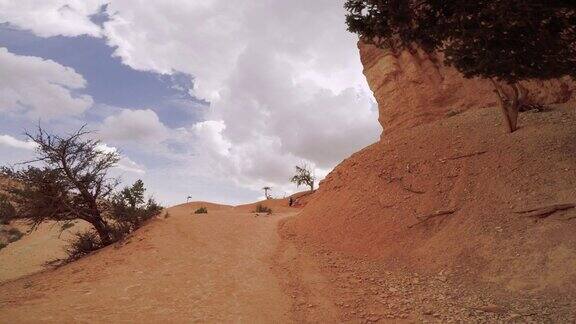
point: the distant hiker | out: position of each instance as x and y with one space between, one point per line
290 201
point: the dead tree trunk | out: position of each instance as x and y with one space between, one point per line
509 104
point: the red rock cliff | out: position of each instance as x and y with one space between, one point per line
414 89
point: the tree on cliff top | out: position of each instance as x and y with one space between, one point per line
506 41
303 176
266 192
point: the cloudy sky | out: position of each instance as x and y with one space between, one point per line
201 97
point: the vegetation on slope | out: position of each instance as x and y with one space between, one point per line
69 181
506 41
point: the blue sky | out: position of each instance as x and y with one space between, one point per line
113 86
199 98
109 81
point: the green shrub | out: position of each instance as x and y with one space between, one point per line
263 209
7 210
131 215
201 210
119 231
82 244
129 212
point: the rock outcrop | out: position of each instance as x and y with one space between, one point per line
416 88
445 187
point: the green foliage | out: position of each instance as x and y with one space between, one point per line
7 210
506 41
303 176
510 40
119 231
129 209
82 244
201 210
68 181
263 209
134 195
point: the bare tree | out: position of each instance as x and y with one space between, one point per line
304 176
67 181
266 192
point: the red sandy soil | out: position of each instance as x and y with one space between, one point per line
424 226
446 199
235 266
215 267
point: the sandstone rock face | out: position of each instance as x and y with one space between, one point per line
414 89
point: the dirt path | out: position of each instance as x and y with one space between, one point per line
231 267
219 267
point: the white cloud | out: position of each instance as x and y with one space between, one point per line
37 88
47 18
128 165
208 136
284 80
142 126
7 140
125 163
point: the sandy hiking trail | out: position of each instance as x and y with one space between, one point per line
230 266
225 266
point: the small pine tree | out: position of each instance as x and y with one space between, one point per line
129 208
134 195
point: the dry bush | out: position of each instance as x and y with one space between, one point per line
201 210
82 244
263 209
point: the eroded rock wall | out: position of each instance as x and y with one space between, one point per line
414 88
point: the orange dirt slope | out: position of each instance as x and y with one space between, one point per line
447 196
